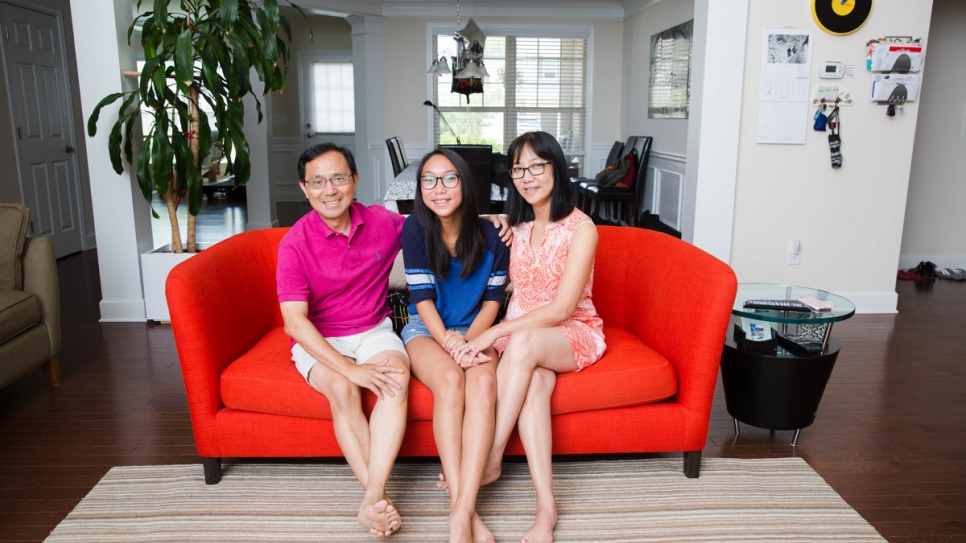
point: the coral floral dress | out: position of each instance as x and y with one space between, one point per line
535 279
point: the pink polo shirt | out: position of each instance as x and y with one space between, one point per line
344 280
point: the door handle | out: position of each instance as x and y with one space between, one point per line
70 149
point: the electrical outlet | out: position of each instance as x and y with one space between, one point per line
795 253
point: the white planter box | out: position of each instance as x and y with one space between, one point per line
155 267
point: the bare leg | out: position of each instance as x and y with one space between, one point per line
460 400
478 422
369 446
536 436
387 426
525 351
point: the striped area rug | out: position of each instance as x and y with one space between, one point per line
638 500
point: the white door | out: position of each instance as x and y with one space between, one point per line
39 88
328 100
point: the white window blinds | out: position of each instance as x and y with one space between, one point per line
535 83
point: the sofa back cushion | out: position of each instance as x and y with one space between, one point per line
13 229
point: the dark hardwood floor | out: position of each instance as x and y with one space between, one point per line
889 436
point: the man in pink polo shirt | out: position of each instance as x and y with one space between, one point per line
333 278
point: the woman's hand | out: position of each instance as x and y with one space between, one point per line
470 352
454 340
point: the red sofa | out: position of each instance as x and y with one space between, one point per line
665 304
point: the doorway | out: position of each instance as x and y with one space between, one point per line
326 86
39 89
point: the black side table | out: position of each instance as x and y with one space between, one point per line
775 388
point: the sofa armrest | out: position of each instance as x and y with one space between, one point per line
40 279
221 301
673 296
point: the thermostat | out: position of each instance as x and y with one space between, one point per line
832 69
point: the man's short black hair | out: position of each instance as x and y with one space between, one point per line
316 151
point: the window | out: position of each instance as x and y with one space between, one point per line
538 81
333 98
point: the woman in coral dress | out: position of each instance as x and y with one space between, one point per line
551 325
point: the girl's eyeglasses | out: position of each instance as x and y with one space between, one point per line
450 180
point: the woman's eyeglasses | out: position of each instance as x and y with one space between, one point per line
450 180
535 169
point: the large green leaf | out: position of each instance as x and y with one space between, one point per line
114 148
160 13
184 60
144 170
229 13
92 121
271 11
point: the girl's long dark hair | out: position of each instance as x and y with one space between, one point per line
562 200
471 242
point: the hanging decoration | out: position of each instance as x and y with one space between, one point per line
467 65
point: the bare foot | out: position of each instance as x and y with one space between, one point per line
492 471
380 518
460 528
442 482
481 534
542 529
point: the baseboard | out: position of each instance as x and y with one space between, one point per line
873 302
122 311
941 261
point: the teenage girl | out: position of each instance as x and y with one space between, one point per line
456 268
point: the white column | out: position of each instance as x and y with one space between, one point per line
714 121
121 216
367 53
259 191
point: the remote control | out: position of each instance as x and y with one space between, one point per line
799 344
777 305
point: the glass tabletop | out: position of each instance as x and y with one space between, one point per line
841 308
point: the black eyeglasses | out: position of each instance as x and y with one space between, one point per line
450 180
534 169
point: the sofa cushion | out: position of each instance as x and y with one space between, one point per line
19 311
630 373
13 229
265 380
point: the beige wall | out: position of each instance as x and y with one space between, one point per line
849 220
670 135
328 34
935 218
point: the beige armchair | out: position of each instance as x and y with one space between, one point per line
29 300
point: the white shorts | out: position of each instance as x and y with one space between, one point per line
357 347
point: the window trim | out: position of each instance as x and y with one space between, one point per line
519 30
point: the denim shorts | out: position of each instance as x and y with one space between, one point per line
416 328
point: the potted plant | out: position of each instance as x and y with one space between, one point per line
203 53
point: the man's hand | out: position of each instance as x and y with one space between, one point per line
377 377
499 221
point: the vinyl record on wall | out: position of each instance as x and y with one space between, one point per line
841 16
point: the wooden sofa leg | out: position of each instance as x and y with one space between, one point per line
692 464
212 470
52 371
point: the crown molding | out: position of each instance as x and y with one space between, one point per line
567 10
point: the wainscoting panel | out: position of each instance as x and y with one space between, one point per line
664 190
